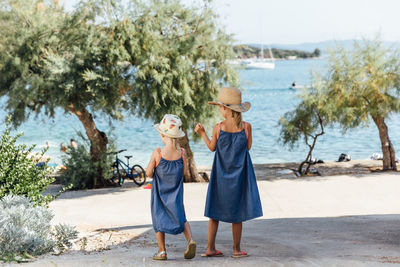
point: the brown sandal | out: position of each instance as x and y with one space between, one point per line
190 249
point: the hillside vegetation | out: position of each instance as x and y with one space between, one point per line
246 51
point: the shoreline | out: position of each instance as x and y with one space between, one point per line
286 170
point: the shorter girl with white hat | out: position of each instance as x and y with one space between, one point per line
167 167
232 194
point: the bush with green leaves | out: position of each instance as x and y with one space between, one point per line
81 171
19 174
26 231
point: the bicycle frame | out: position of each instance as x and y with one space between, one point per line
125 169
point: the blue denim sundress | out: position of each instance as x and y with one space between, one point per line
232 194
167 209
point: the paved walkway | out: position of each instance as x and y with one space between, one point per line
319 221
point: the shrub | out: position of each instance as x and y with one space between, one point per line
19 174
81 170
25 230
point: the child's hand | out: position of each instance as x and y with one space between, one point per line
199 129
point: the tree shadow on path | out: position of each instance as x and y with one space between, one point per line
305 241
330 241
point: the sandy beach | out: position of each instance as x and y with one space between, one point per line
343 220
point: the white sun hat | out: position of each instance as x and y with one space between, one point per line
171 126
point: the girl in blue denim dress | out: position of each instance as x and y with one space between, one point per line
232 194
167 167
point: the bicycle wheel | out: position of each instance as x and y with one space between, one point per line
117 177
138 175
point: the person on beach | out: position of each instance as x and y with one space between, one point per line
232 194
167 167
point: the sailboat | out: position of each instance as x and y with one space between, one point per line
262 63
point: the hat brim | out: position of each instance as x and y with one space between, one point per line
157 127
245 106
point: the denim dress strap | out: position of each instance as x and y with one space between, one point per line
218 129
245 126
158 156
183 157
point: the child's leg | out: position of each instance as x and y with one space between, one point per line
212 233
237 236
190 251
161 241
187 231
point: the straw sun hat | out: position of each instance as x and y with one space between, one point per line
171 126
231 98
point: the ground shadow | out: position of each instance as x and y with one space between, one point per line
330 241
305 241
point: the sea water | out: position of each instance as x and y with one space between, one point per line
270 96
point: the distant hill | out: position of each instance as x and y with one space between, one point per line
251 51
323 46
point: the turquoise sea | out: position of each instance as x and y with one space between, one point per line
269 93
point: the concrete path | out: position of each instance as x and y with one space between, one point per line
318 221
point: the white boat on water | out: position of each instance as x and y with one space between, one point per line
262 63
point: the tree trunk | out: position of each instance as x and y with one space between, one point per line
389 156
98 141
192 175
309 156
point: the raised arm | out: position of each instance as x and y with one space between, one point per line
152 164
210 143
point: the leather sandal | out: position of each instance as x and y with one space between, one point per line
160 256
190 249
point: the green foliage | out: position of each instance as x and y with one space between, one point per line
26 231
180 59
310 117
81 169
151 57
363 82
307 122
62 235
52 59
19 174
147 57
317 52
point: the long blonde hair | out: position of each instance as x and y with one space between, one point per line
237 116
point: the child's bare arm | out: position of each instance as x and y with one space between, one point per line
249 137
185 165
210 143
151 165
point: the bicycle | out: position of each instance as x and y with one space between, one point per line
122 171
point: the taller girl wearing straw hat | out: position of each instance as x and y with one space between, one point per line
168 166
232 192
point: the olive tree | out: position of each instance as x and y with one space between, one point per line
364 83
52 59
180 63
107 57
307 122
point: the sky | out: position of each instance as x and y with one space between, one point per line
301 21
